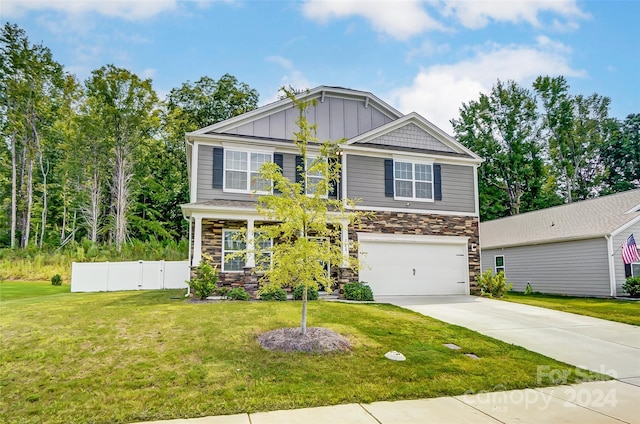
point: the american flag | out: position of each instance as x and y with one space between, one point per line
630 251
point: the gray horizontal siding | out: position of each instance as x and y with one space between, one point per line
205 176
575 268
365 180
617 255
336 118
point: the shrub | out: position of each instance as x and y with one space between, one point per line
312 293
221 291
271 292
238 293
632 286
528 289
56 280
205 280
358 291
493 285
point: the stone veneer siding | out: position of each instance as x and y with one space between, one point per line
377 222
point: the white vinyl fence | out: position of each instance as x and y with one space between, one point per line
140 275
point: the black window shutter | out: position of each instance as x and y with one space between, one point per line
627 270
218 167
335 184
388 177
300 172
437 182
278 159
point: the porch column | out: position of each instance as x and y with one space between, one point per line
344 241
251 257
197 241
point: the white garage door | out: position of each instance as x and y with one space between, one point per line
414 265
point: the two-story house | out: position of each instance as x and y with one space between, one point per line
420 185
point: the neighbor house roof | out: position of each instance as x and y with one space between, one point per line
586 219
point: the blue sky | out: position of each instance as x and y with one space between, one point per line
425 56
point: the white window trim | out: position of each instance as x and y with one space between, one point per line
503 267
413 163
632 267
306 177
224 251
247 171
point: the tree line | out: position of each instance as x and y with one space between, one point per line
545 146
104 159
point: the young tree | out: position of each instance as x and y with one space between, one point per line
306 232
502 127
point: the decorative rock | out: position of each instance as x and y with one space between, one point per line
472 356
395 356
452 346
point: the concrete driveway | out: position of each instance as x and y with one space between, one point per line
603 346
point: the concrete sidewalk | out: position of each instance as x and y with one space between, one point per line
596 402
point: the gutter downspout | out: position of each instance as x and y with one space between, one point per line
612 264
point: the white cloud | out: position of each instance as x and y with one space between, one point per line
399 19
292 78
126 9
478 14
438 91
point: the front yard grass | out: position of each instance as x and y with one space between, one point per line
10 290
136 356
626 311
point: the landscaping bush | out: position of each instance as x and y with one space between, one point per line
528 290
56 280
312 294
205 280
493 285
271 292
238 293
632 286
358 291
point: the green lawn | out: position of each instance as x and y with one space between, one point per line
134 356
627 311
10 290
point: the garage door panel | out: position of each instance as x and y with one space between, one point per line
396 268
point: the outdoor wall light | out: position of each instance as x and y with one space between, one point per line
473 247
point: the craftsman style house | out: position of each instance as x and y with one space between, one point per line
419 183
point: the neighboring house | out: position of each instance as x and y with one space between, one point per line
418 182
572 249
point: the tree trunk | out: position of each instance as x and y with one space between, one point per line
14 188
303 324
27 219
121 188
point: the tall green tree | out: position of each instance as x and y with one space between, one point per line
502 127
621 156
128 107
307 223
575 128
30 84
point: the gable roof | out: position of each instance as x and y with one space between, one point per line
413 131
319 93
603 216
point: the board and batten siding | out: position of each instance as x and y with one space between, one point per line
336 118
205 176
618 240
365 181
574 268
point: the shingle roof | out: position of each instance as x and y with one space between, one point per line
580 220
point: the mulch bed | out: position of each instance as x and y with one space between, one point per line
317 340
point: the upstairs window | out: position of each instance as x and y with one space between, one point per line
313 176
413 180
242 171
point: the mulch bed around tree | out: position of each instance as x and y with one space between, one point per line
317 340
